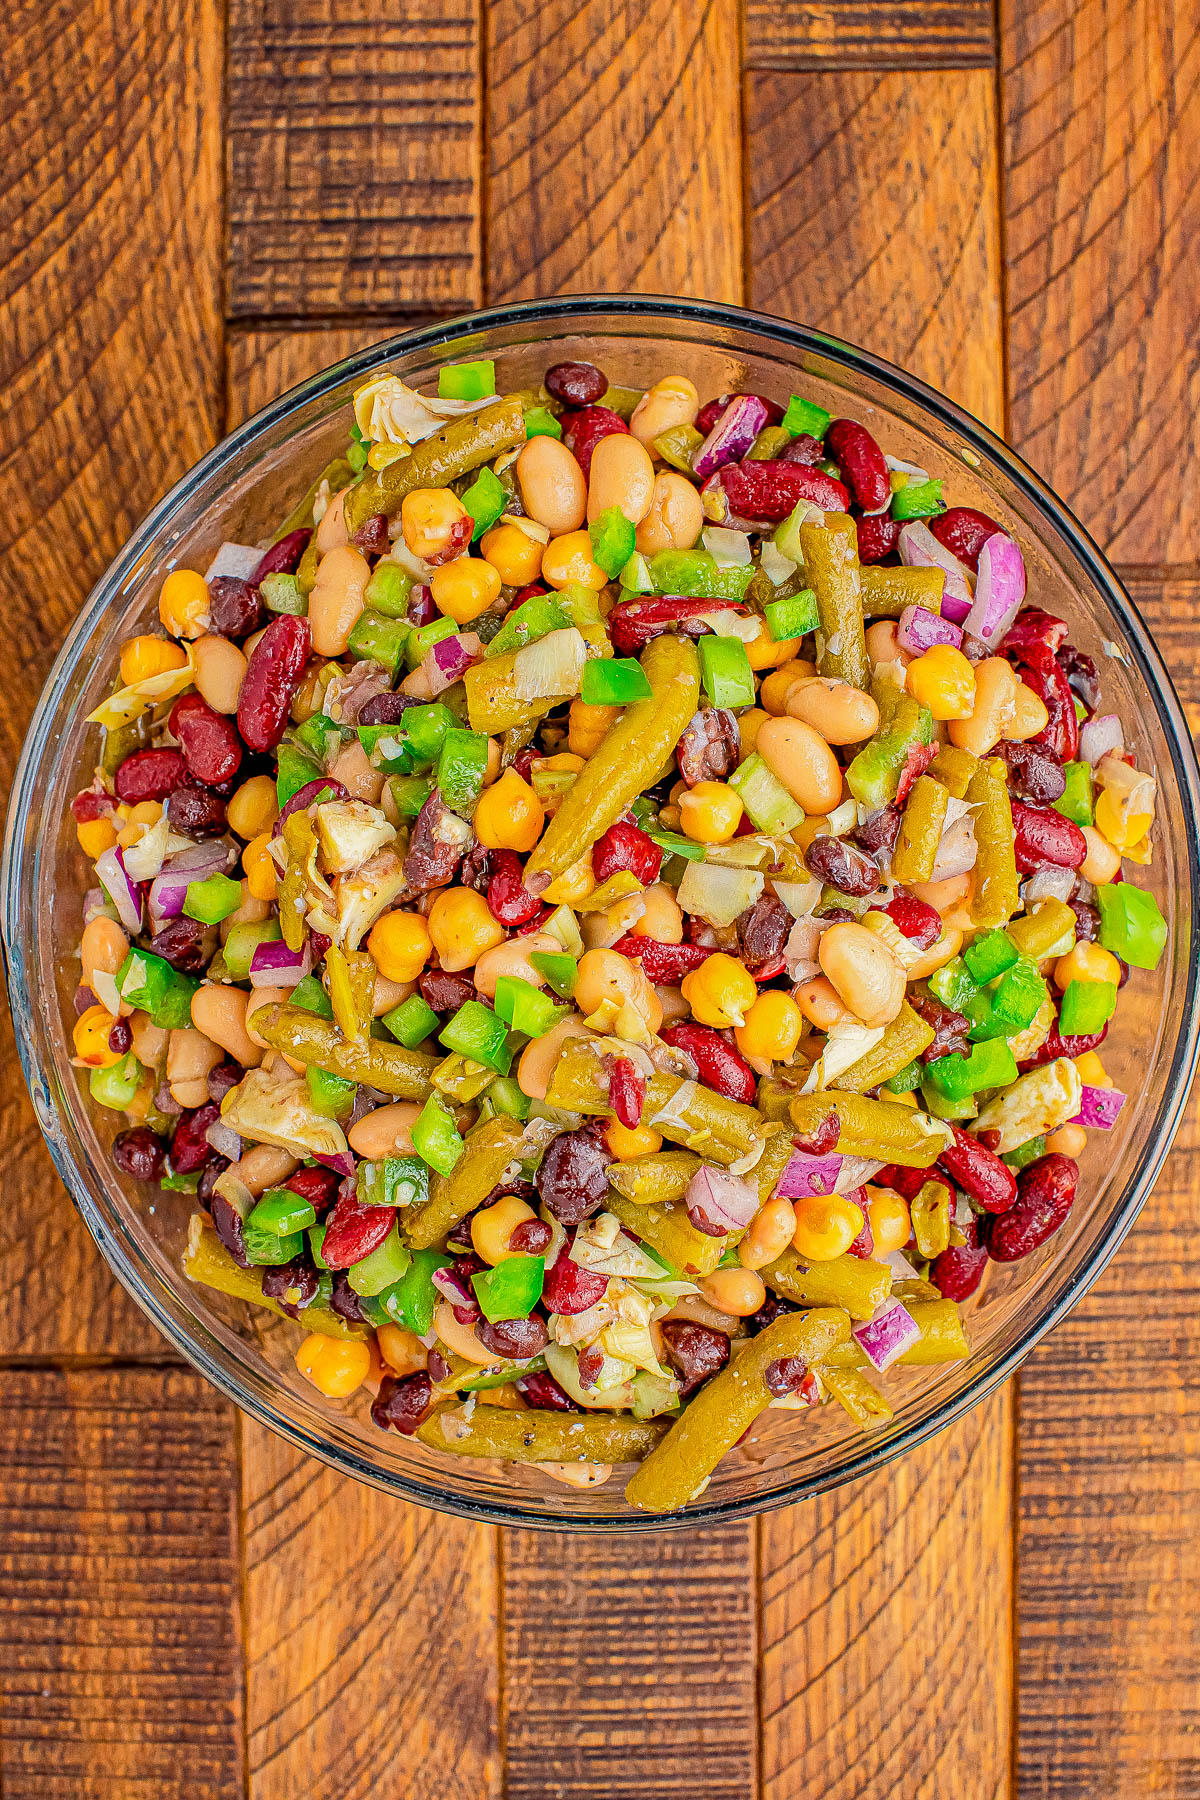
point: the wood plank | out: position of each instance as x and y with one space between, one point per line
613 148
355 155
371 1639
262 364
118 1575
869 34
873 215
1102 214
110 362
647 1689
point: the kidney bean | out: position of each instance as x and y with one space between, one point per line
708 748
842 865
82 999
583 430
1041 835
623 847
627 1092
210 744
766 492
211 1173
958 1271
571 1289
572 1178
804 449
223 1079
1033 636
515 1338
695 1352
823 1137
272 676
979 1172
861 461
864 1244
919 921
147 775
632 623
181 943
591 1362
386 709
1057 1045
190 1148
915 763
402 1402
903 1181
509 900
120 1037
531 1237
763 930
1087 921
345 1302
227 1223
878 537
372 536
950 1028
1061 735
436 847
318 1186
477 868
235 607
542 1393
663 964
791 1375
299 1276
140 1152
1082 675
1045 1195
718 1065
711 411
421 609
445 991
196 811
353 1231
576 383
964 532
95 803
283 558
879 830
1032 775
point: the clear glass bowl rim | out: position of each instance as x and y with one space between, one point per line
566 315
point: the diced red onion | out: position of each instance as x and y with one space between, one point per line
1099 1107
240 560
340 1161
898 1263
919 630
96 903
721 1199
809 1177
122 890
888 1335
957 851
453 1287
1050 883
303 798
1099 737
732 435
919 549
170 886
224 1140
800 951
274 965
450 659
999 590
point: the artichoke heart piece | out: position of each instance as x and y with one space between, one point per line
268 1111
350 832
364 895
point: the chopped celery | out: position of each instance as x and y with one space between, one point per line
792 617
423 637
374 637
393 1181
614 681
461 767
467 381
389 590
541 422
436 1137
725 671
426 728
767 802
282 594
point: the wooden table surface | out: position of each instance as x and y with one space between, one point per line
203 206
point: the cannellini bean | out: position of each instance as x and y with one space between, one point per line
803 762
552 485
512 958
220 672
676 516
102 949
607 975
771 1231
866 975
264 1166
670 402
621 475
539 1057
353 769
220 1013
331 532
996 685
191 1058
337 599
840 712
385 1132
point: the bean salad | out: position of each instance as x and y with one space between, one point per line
613 915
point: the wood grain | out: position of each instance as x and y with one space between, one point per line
110 362
629 1666
1102 213
354 147
613 137
118 1588
869 34
873 215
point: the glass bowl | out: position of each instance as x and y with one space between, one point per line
250 481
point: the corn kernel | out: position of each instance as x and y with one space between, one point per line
143 657
710 813
826 1227
516 557
1086 962
254 808
721 992
772 1028
381 454
430 519
492 1228
573 885
567 560
337 1366
464 588
763 652
509 815
887 1215
90 1038
1091 1070
944 681
183 604
400 945
96 836
587 726
461 928
627 1143
262 876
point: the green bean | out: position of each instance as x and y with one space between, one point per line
391 1068
942 1339
676 1469
954 768
653 1180
996 885
776 1093
490 1148
930 1212
435 462
851 1389
207 1261
886 592
717 1129
537 1437
338 474
831 562
665 1226
855 1283
770 1166
879 1128
1049 930
902 1041
493 703
920 831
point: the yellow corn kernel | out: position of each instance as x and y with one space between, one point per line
1123 830
887 1215
573 885
513 553
764 653
337 1366
400 945
381 454
183 604
428 520
710 813
721 992
96 836
254 808
628 1144
826 1227
143 657
492 1228
772 695
772 1028
90 1038
509 815
1092 1071
462 928
258 866
568 559
464 588
587 726
1086 962
944 681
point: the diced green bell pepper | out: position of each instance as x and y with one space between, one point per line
1025 1153
294 769
266 1248
694 574
1011 1006
477 1032
907 1079
541 422
151 985
671 844
525 1007
1086 1007
318 735
385 1265
989 1065
389 590
535 618
283 594
918 500
561 971
375 637
282 1213
310 996
804 418
388 748
1076 800
409 794
411 1022
485 500
332 1096
512 1289
614 681
467 381
393 1181
180 1184
1131 924
211 900
425 728
612 537
436 1137
952 984
767 802
461 767
116 1086
989 955
316 1244
792 617
413 1299
725 671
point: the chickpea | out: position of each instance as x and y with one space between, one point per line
492 1228
1102 862
401 1351
337 599
778 685
818 1001
538 1059
738 1292
1068 1140
888 1217
750 723
252 911
771 1231
676 516
336 1366
512 958
765 652
1086 962
332 532
996 685
220 1013
254 808
863 970
627 1143
552 485
353 769
661 917
801 759
191 1058
515 554
264 1166
621 475
102 949
385 1132
606 975
220 671
838 711
462 928
670 402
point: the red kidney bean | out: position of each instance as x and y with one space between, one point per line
763 930
542 1393
915 763
979 1172
181 943
958 1271
1087 921
711 411
708 749
345 1302
1045 1195
1057 1045
791 1375
82 998
1082 675
1034 636
963 532
572 1178
210 743
878 537
421 610
120 1038
803 449
1041 836
190 1148
224 1078
591 1362
235 607
694 1351
663 964
318 1186
227 1223
445 991
718 1065
919 921
576 383
1032 775
402 1402
842 865
583 430
94 804
903 1181
950 1028
197 811
147 775
272 676
436 847
766 492
624 848
772 1308
1061 735
632 623
372 535
477 868
386 709
861 461
140 1152
531 1237
571 1289
353 1231
823 1137
283 558
879 830
296 1277
864 1244
515 1338
627 1092
509 901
